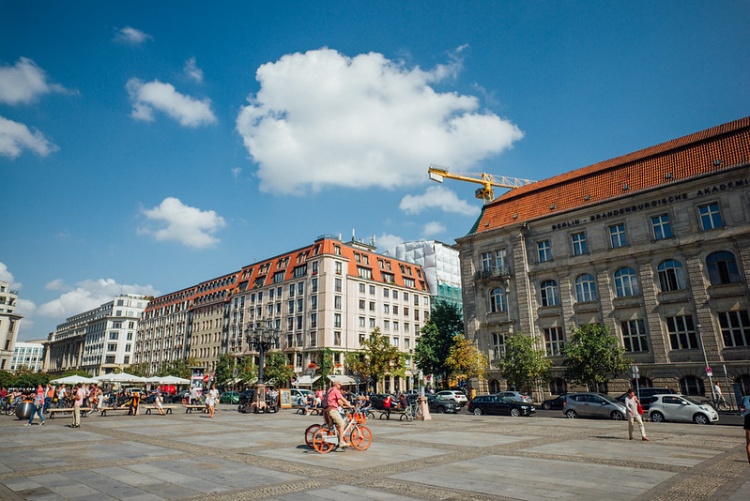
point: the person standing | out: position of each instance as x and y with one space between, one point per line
78 397
211 397
158 402
62 394
633 404
38 406
49 396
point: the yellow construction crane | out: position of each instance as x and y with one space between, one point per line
486 192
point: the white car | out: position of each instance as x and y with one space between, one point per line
299 397
458 396
681 408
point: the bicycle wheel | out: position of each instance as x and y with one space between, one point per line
309 432
361 437
321 440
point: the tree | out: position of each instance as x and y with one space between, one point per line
522 365
224 372
592 355
277 369
141 369
247 371
465 361
437 337
180 368
380 357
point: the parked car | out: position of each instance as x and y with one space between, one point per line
681 408
554 403
441 405
495 404
589 404
229 397
299 397
515 394
456 395
645 395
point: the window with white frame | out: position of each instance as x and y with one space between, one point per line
544 251
549 293
554 341
337 320
682 334
487 261
580 246
336 338
710 215
671 276
722 268
585 288
735 328
497 342
626 283
498 300
337 302
500 256
362 322
634 335
661 227
617 236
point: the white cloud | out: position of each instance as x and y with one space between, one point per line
55 285
438 197
151 96
16 137
87 295
6 275
387 242
321 119
187 225
131 36
24 83
433 228
192 70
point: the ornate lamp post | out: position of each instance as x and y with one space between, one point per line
262 335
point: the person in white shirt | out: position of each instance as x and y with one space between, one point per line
211 398
632 404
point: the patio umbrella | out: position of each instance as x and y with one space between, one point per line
75 379
121 377
173 380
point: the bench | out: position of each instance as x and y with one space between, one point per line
105 410
53 411
318 411
167 409
189 408
394 412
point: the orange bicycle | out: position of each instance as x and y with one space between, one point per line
323 438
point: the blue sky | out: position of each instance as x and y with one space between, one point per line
148 146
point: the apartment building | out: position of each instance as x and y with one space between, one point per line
329 294
28 355
655 244
99 340
10 322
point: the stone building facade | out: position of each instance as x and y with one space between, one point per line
10 321
654 244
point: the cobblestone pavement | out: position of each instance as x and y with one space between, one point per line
453 457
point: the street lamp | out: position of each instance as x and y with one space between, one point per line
263 335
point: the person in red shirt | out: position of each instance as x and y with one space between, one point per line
334 400
38 405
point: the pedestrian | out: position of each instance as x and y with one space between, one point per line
158 402
135 402
635 410
387 404
38 406
718 396
78 397
49 396
62 394
211 397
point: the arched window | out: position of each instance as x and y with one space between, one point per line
691 385
722 268
585 288
494 386
671 276
498 300
550 297
558 386
626 283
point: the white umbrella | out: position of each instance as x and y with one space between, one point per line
75 379
121 377
173 380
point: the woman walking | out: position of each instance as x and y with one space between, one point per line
634 414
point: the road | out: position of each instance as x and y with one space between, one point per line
242 456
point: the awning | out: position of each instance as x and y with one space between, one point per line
306 380
344 380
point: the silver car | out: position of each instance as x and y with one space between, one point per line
681 408
588 404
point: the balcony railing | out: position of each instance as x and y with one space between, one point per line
493 273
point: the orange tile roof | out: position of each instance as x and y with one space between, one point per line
677 160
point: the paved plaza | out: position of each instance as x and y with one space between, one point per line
243 456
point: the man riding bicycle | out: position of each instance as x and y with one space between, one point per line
334 400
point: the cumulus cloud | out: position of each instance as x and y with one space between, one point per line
131 36
437 197
172 220
24 83
322 119
16 137
6 275
192 71
387 242
153 96
433 228
87 295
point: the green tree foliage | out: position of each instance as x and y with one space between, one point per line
141 370
247 371
27 378
465 361
224 371
179 368
592 356
277 369
523 366
7 380
437 338
380 357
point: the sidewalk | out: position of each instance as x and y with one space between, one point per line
242 456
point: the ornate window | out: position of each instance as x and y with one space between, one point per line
585 288
549 293
626 283
722 268
498 300
671 276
